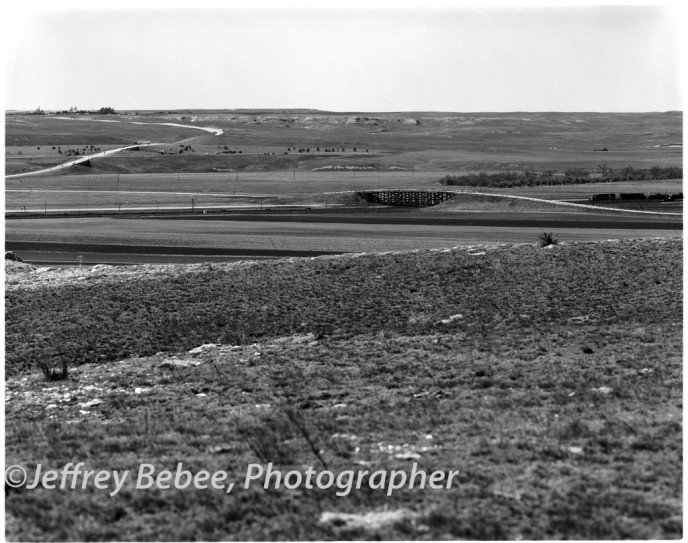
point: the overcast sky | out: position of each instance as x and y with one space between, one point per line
129 55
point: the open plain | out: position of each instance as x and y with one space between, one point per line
310 328
284 165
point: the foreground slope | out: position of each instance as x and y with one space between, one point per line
550 378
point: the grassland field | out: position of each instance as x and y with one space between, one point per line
550 378
422 141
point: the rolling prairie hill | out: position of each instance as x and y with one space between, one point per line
550 378
449 142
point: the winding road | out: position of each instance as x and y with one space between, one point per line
100 154
80 160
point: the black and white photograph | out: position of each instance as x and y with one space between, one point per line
333 271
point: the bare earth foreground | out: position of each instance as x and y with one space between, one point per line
550 378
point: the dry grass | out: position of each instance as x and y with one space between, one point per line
557 394
449 143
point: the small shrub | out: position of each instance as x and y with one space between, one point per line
53 372
270 437
234 336
547 239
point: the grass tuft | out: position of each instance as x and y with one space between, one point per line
53 372
547 239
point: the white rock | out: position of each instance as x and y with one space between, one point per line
303 338
407 456
91 387
93 402
177 363
579 320
204 348
452 318
602 390
373 520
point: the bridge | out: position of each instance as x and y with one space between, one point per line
407 197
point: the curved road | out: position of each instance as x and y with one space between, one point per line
81 159
86 158
216 131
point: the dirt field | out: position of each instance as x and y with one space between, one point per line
137 239
162 189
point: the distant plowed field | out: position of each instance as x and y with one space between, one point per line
135 239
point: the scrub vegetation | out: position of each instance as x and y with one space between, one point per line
550 378
572 176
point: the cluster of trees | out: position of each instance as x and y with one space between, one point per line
570 176
326 150
183 148
76 111
78 152
639 174
227 151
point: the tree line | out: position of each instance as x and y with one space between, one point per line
570 176
76 111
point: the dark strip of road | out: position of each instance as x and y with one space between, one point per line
156 249
535 220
